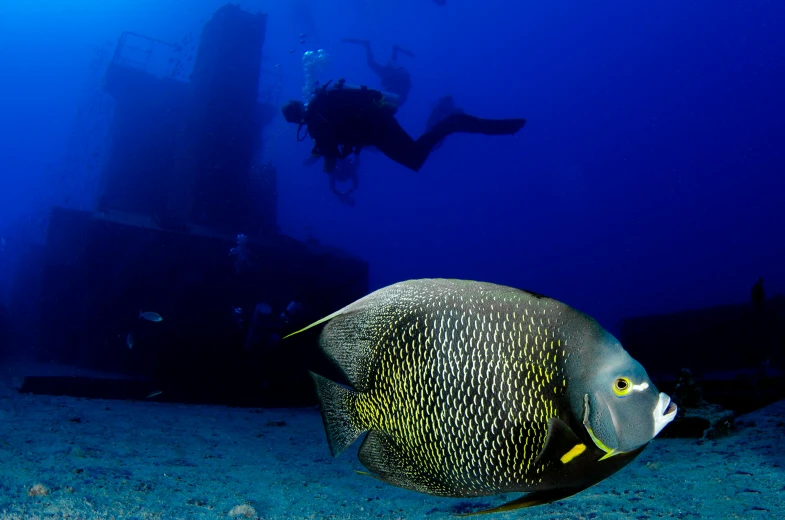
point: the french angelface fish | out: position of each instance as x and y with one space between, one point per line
469 389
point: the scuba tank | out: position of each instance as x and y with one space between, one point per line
385 100
388 101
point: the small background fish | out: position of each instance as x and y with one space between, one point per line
150 316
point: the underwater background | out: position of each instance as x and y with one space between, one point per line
646 190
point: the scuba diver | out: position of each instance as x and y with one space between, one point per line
394 78
344 119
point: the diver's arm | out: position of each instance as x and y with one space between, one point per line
324 144
329 152
329 163
313 159
345 151
378 69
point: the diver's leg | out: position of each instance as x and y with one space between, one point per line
393 141
465 123
443 108
378 69
375 67
396 49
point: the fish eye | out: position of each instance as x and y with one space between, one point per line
622 386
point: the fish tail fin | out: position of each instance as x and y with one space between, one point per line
339 414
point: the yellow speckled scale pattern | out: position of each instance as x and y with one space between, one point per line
457 385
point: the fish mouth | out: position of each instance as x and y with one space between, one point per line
664 412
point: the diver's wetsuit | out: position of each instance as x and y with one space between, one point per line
444 107
343 120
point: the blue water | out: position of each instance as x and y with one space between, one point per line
647 179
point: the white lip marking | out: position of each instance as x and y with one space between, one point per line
641 387
661 419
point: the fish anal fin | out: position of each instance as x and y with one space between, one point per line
386 462
536 498
562 446
368 474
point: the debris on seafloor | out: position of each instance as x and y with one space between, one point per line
243 511
697 417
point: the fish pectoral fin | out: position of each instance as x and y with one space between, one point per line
562 446
536 498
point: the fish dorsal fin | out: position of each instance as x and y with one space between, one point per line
562 446
352 307
316 323
352 334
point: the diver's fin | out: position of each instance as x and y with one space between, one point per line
386 462
537 498
338 413
562 446
458 122
465 123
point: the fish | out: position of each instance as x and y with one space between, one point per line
129 341
154 394
150 316
466 389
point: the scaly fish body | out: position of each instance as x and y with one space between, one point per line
469 389
466 385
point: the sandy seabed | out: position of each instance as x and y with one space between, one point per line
63 457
